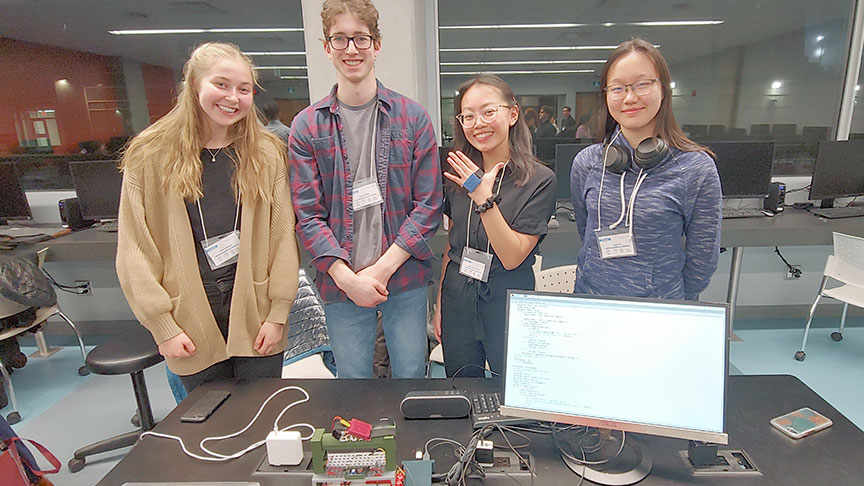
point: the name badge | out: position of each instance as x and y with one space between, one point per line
222 250
615 243
475 264
366 194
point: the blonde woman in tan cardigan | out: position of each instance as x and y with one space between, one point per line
207 256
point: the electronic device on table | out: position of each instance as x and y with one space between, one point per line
745 172
97 185
13 201
837 173
627 364
340 454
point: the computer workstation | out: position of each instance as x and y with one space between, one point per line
97 186
838 173
745 173
13 201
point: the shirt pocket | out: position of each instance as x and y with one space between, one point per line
401 148
325 153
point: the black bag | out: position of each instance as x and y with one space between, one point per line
22 281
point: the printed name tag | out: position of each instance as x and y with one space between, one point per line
366 194
222 250
475 264
615 243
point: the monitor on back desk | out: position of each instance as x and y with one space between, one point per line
744 167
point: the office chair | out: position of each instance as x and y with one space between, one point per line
846 265
129 353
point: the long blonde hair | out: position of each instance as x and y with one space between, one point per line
174 142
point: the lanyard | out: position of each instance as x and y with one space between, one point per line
204 230
471 210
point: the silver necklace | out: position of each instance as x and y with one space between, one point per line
213 154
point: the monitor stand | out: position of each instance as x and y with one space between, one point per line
629 467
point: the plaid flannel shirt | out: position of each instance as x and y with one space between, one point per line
409 179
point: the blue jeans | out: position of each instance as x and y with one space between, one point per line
352 335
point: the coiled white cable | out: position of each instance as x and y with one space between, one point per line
217 457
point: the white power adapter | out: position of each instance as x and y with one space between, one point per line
284 448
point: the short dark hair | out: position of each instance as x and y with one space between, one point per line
567 108
548 109
270 110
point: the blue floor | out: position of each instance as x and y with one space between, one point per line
65 411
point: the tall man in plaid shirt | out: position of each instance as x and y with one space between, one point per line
366 186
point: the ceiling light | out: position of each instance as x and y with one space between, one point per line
857 87
568 25
776 85
505 63
276 53
819 38
673 85
521 49
562 71
204 31
293 77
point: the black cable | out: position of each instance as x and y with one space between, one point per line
65 288
795 272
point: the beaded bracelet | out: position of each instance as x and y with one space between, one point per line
486 206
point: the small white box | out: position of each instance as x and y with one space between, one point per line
284 448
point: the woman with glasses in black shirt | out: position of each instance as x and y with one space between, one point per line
499 198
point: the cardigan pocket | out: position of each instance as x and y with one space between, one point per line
262 298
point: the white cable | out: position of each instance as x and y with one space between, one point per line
217 457
623 204
602 177
639 179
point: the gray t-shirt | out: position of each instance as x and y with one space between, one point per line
357 123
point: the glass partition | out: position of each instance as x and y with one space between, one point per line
772 70
80 77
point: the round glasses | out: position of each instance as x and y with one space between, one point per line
340 42
619 91
488 115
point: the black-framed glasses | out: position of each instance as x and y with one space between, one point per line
488 115
340 42
619 91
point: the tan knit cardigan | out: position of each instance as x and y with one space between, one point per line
158 268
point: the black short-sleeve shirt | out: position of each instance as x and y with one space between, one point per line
526 208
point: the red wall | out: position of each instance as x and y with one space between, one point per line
28 82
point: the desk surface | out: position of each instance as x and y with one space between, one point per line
830 457
790 228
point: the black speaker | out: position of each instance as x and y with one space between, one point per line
435 404
70 214
776 197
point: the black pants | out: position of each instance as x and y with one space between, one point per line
473 316
219 296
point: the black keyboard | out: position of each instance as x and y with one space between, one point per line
836 213
729 213
485 410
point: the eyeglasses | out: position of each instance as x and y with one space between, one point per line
619 91
340 42
488 115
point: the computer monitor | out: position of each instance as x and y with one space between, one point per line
744 167
634 365
13 201
564 154
97 184
839 170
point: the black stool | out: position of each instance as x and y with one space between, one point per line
131 353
